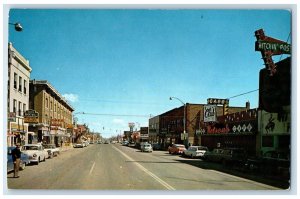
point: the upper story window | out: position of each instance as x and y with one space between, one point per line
25 87
47 103
15 106
15 80
20 109
20 83
24 108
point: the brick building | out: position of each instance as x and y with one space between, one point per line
54 113
171 123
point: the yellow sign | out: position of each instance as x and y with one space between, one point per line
31 120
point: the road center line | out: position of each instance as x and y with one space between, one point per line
92 168
169 187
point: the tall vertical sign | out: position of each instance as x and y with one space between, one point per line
268 47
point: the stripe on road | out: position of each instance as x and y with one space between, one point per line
169 187
92 168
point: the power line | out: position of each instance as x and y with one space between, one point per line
243 94
108 114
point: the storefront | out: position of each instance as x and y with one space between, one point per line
237 130
17 133
275 130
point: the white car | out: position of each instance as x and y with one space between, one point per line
195 151
78 145
51 149
35 152
146 148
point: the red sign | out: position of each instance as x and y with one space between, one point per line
216 130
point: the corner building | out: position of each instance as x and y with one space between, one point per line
19 72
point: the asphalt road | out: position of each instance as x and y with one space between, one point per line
115 167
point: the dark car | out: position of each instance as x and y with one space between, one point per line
227 156
156 146
271 162
10 165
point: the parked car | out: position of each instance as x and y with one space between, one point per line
78 145
85 143
125 143
35 152
227 156
142 144
176 149
10 164
272 161
146 147
51 149
195 151
156 146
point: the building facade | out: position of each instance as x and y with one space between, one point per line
171 124
275 108
154 129
55 119
17 96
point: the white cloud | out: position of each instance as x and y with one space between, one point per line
71 97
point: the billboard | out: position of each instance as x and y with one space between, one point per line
210 113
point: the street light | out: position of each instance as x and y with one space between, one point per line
18 26
183 116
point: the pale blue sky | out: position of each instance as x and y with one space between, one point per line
129 62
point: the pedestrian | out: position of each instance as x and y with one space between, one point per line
61 143
16 156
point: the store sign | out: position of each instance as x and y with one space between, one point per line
217 101
272 123
210 113
31 116
57 122
11 117
275 48
31 113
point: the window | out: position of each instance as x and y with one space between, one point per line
46 102
24 108
15 80
25 85
20 83
15 106
20 108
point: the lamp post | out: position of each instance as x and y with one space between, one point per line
184 130
18 26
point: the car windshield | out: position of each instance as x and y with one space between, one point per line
30 147
202 148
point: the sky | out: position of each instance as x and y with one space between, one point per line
122 65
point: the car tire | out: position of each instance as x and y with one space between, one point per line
37 163
192 156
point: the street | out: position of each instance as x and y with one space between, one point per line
116 167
